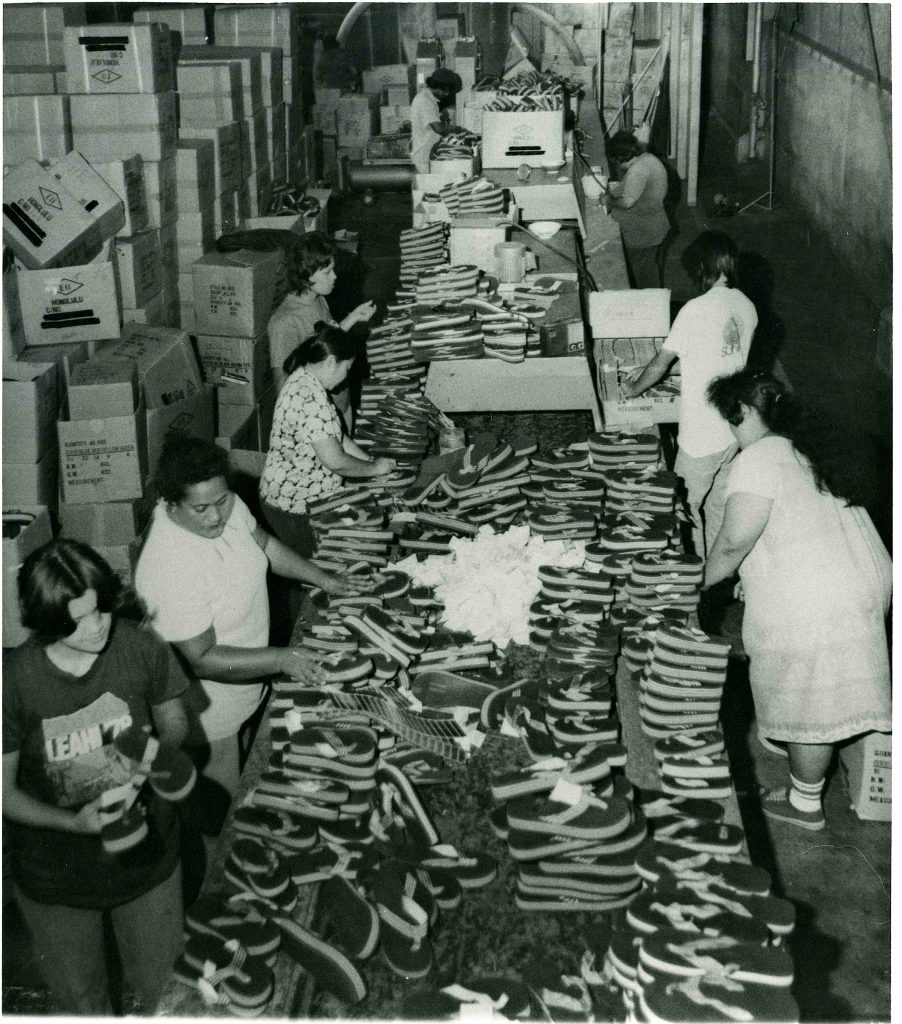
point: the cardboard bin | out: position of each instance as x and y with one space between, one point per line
118 58
103 388
31 402
233 292
116 126
30 536
76 303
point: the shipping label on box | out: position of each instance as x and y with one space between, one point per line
30 81
233 292
209 93
33 34
103 459
69 304
511 138
137 261
25 529
239 367
226 139
119 58
193 415
31 402
116 126
103 388
36 128
249 63
868 765
126 178
161 185
97 198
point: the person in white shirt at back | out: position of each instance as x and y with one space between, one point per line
428 121
711 337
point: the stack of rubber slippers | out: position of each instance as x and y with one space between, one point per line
446 335
682 684
446 284
472 195
225 974
505 340
665 578
613 449
578 647
427 244
648 489
556 523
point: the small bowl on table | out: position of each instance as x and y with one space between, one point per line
545 229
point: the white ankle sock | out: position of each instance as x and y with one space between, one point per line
805 796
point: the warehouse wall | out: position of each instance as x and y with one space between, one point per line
832 120
834 130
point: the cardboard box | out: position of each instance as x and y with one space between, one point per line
109 524
169 271
258 25
239 367
868 767
103 459
630 313
267 58
97 198
119 58
193 415
13 328
226 139
165 361
187 319
137 262
275 132
78 303
32 535
187 25
225 215
188 254
392 119
152 312
563 331
397 96
195 166
31 402
271 64
43 224
126 178
613 356
378 78
114 127
473 240
30 81
33 33
32 483
325 119
36 128
65 357
161 186
357 118
254 145
248 61
233 292
467 166
511 138
209 93
101 388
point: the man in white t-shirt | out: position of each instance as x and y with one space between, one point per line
427 123
711 336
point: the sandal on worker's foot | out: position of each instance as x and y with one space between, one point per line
776 804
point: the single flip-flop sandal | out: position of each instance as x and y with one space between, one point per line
472 871
588 766
656 806
701 836
715 997
587 817
401 803
479 998
215 915
331 968
687 910
275 827
677 954
170 771
245 872
354 920
404 924
328 861
225 975
660 861
123 824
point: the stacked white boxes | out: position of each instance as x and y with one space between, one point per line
122 94
196 165
187 24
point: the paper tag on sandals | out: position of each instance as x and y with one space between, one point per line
565 792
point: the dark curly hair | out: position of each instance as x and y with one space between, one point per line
62 571
328 341
709 255
836 469
187 460
623 146
310 253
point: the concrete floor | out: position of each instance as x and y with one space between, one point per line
839 879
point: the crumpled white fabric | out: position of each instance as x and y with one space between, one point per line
489 581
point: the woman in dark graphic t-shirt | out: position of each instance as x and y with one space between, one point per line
68 691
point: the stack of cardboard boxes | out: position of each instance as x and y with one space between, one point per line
394 84
616 65
234 295
187 24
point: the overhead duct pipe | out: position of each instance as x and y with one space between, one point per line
350 20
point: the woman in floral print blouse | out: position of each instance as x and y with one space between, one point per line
308 454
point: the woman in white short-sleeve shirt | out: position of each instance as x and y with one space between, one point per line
816 580
202 575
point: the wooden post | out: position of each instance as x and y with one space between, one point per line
674 79
694 103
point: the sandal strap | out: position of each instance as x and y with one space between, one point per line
481 999
691 988
213 976
414 926
733 906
